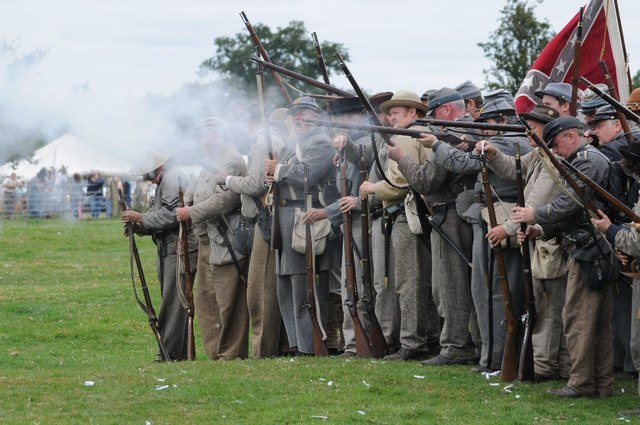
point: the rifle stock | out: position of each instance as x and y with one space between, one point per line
265 56
319 345
188 287
525 366
363 347
376 336
509 369
147 306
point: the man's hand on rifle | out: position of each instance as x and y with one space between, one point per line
622 257
532 232
340 140
348 203
601 224
367 188
486 147
496 235
221 178
522 215
313 215
395 153
427 140
270 166
183 213
130 216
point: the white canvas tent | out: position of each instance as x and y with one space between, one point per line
76 155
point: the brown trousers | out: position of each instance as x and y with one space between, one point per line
587 326
262 299
221 308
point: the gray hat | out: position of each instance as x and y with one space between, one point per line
304 102
604 113
591 100
468 90
552 129
499 94
561 91
541 113
495 109
403 98
148 162
442 96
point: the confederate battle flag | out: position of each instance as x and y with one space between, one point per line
601 39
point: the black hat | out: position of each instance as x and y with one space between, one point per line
631 152
541 113
379 98
345 105
604 113
495 109
553 128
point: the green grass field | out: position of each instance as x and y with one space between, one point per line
69 319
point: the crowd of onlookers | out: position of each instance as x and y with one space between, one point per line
54 193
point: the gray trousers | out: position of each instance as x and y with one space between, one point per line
550 353
451 286
490 309
621 326
387 307
418 314
292 297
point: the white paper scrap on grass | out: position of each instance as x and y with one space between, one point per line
360 412
161 387
418 376
366 384
89 383
324 418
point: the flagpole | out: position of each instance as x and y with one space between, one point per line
624 45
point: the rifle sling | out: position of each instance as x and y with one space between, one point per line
222 228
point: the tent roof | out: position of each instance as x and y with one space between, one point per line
76 155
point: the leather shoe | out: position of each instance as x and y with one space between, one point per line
541 378
482 369
441 360
346 355
407 354
567 392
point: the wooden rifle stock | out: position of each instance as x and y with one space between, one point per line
147 306
576 66
320 57
315 83
319 346
271 196
614 93
611 101
509 368
376 336
188 286
525 366
363 348
265 56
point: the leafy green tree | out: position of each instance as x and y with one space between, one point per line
515 45
636 79
290 47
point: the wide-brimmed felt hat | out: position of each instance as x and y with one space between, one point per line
553 128
405 98
604 113
558 90
468 90
541 113
148 162
304 102
496 109
633 102
379 98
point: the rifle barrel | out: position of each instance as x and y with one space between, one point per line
611 101
475 125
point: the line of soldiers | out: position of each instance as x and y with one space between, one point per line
433 304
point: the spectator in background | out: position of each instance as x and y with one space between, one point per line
10 185
95 186
76 192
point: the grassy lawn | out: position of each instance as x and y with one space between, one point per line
75 348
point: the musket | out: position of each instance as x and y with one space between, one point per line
509 368
376 336
320 57
271 195
188 287
441 135
576 66
265 56
319 345
512 128
525 366
147 306
611 101
363 347
315 83
614 93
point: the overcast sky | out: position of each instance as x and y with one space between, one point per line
132 47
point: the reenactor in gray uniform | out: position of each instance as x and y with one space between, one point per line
309 147
160 222
587 311
220 296
488 301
